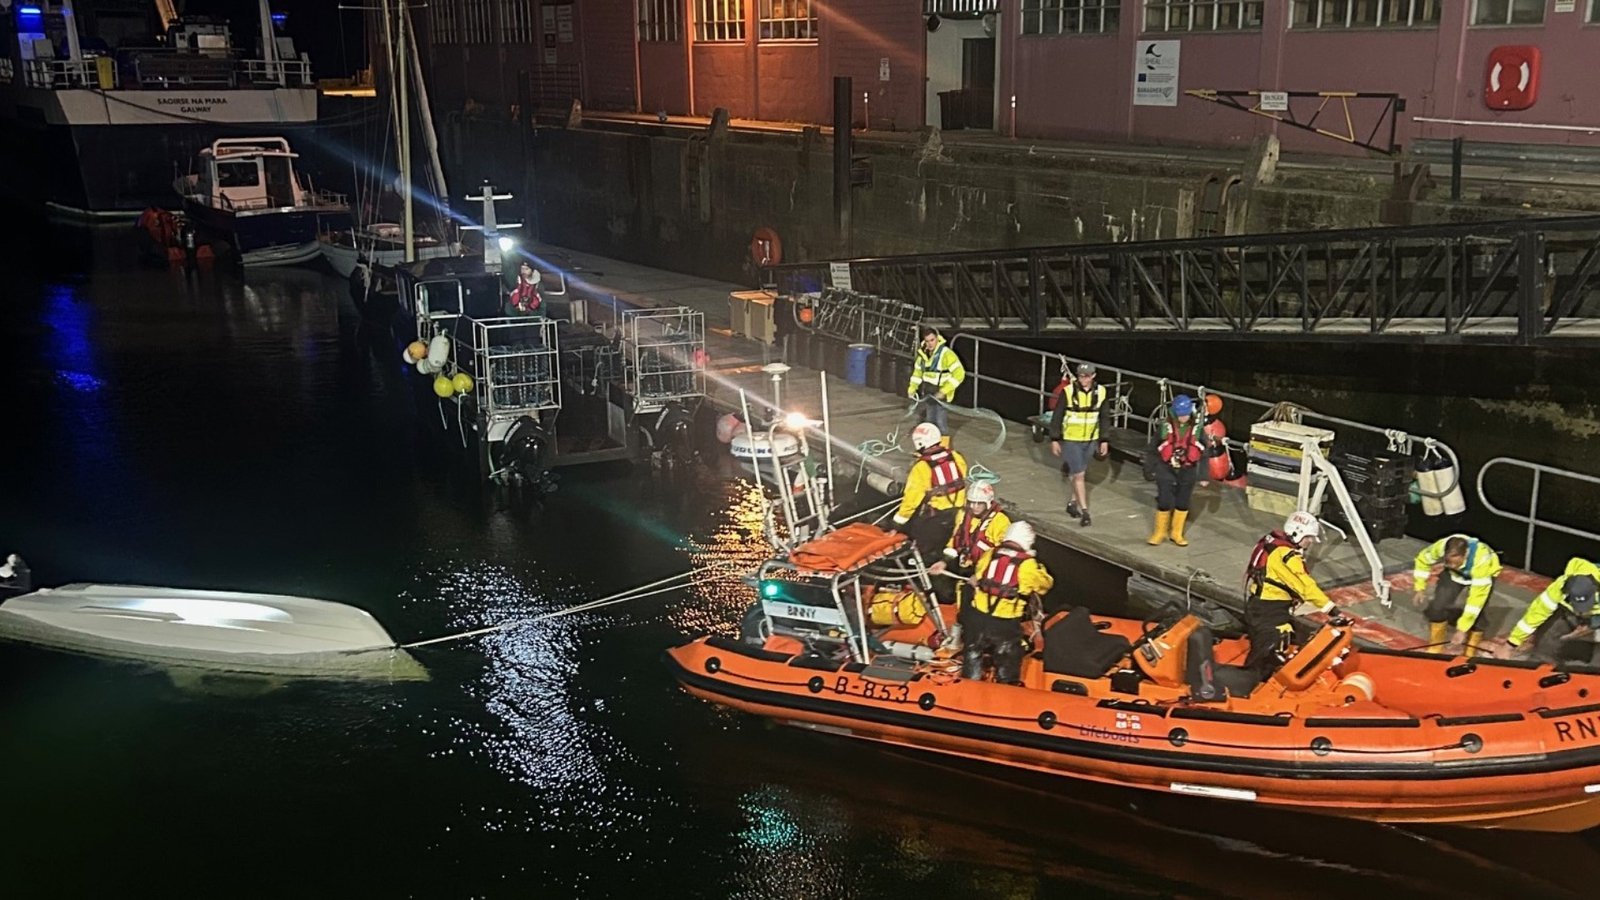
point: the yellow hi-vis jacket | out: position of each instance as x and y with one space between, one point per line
1032 580
1554 598
944 489
1477 574
941 368
1080 415
976 535
1287 581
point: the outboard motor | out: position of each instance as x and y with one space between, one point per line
524 454
670 432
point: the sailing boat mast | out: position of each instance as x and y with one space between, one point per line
429 133
401 78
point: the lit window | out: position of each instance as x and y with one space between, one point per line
787 20
446 21
1202 15
1070 16
1510 12
1365 13
719 20
660 20
516 21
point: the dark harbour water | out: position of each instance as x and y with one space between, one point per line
236 432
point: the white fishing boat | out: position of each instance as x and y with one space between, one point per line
241 632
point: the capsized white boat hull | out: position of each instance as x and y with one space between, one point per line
266 633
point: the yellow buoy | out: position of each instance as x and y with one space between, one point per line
462 383
417 349
443 387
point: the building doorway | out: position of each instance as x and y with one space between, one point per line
963 71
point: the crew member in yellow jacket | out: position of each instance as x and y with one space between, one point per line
936 487
1560 623
1465 582
1006 579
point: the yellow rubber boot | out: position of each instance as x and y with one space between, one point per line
1179 517
1163 523
1438 636
1473 637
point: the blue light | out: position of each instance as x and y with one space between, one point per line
29 11
279 18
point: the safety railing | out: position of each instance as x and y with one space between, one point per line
58 74
1532 518
1515 281
888 325
666 355
1143 391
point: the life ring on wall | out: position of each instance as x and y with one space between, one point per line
766 248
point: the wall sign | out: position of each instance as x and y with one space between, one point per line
1155 73
1512 78
1274 101
883 68
564 24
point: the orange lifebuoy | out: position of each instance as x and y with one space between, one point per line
1219 466
766 248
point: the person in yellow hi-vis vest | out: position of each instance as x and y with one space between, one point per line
1560 623
1465 583
936 487
935 375
1006 579
1079 424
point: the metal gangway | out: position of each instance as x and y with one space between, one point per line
1521 281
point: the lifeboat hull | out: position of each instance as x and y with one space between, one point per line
1536 771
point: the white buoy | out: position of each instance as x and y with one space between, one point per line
439 350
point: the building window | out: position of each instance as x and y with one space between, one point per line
1070 16
516 21
1202 15
1594 12
1365 13
475 22
719 20
787 20
446 21
660 20
1510 12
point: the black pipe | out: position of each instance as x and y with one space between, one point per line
1455 167
842 108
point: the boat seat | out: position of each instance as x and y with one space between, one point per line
1074 646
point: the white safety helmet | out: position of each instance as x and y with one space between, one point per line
980 492
1302 526
1021 534
925 435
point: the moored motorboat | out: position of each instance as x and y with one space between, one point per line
245 194
1359 733
243 632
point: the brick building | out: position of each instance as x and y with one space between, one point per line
1099 70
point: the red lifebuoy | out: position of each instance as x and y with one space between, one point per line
766 248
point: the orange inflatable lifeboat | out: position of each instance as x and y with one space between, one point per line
1382 735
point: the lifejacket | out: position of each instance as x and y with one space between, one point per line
1081 414
1002 578
1181 443
947 476
526 296
1255 573
969 530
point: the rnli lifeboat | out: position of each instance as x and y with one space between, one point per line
834 645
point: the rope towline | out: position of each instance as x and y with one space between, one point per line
654 588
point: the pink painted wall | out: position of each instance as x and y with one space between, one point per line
722 77
606 32
1569 88
854 36
786 89
663 77
1068 87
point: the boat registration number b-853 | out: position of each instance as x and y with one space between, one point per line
871 690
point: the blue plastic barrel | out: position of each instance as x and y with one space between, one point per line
855 368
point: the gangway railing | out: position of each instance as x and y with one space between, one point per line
1532 519
1142 396
1517 281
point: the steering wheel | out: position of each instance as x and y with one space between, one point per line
1155 624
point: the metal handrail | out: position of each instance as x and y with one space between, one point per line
1532 519
1123 379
